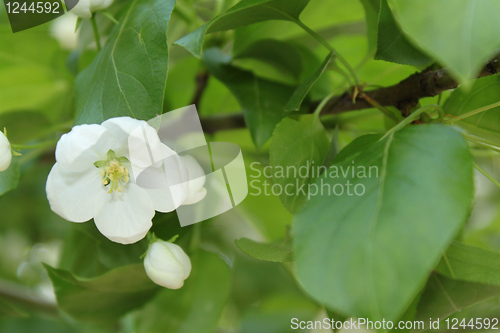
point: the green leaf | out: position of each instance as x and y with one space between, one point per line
128 76
284 56
443 297
372 8
10 177
392 44
483 92
470 263
196 307
264 251
300 93
290 63
274 312
244 13
460 34
297 145
356 146
87 253
262 101
377 246
105 298
32 72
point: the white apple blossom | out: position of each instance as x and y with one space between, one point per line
85 8
91 179
167 264
5 152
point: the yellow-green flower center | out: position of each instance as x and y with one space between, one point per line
113 171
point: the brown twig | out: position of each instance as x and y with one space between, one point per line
428 83
201 84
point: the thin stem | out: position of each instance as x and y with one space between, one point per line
412 117
481 142
321 105
320 39
96 32
487 175
325 100
473 112
379 107
195 238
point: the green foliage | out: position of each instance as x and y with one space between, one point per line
297 144
263 102
443 297
392 44
300 93
10 177
105 298
470 263
264 251
365 268
484 91
128 77
418 243
445 29
244 13
87 253
372 8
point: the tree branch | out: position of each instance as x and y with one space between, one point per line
217 123
201 84
428 83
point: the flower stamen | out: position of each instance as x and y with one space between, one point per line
114 174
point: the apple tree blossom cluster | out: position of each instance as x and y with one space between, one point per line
93 178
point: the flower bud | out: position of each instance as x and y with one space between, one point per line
5 152
63 30
167 264
85 8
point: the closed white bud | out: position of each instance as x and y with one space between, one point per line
167 264
5 152
85 8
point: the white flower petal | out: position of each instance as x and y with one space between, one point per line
100 4
121 127
82 9
166 183
197 179
63 30
79 149
72 195
5 152
194 197
85 8
125 217
180 255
